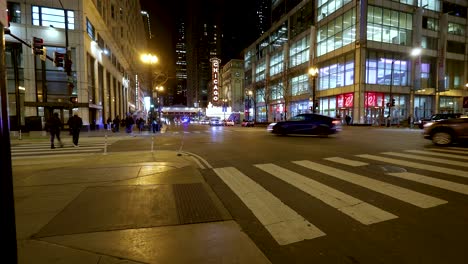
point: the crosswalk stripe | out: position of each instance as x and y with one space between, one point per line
197 132
361 211
457 148
353 163
438 154
443 184
416 165
450 151
284 224
436 160
56 152
58 149
400 193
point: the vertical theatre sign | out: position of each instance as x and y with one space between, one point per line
215 77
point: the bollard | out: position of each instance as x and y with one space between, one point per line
152 143
105 145
19 136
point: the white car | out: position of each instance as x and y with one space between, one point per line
215 121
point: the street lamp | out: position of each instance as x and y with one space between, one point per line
314 73
157 90
151 59
249 95
225 107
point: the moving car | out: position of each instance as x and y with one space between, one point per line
446 132
215 121
436 117
248 123
306 124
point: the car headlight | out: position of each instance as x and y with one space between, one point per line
270 126
428 124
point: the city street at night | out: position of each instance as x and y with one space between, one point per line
364 195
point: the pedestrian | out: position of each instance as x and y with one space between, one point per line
129 122
141 124
116 124
109 123
53 125
348 120
75 123
154 125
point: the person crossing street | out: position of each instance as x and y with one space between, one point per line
75 123
53 125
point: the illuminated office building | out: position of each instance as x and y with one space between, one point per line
362 50
104 41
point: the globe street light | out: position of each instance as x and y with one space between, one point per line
314 73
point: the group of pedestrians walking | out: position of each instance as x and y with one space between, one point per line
54 125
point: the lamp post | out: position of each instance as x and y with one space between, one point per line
249 95
157 90
224 108
314 73
152 60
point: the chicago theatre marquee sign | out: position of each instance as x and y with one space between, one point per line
215 77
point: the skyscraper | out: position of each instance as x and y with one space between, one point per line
181 63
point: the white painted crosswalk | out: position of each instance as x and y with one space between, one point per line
41 149
280 219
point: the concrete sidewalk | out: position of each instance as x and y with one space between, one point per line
132 207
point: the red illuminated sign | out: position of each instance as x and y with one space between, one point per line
345 100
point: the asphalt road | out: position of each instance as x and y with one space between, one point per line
366 195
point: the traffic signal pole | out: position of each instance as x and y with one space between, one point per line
7 202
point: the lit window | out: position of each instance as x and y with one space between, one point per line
44 16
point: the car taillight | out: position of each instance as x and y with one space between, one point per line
336 122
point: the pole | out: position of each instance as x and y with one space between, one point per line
7 202
391 96
105 144
314 106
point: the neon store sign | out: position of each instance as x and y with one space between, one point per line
215 77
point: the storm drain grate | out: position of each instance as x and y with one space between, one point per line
194 205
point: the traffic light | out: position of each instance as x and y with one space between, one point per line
39 49
68 66
59 59
74 99
38 46
393 102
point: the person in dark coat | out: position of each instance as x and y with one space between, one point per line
116 124
75 123
129 122
54 125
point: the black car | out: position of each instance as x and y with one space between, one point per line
306 124
436 117
446 132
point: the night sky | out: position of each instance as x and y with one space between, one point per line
238 19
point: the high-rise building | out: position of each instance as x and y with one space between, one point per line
181 63
100 80
263 16
203 42
360 59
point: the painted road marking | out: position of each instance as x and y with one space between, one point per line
416 165
443 184
360 211
348 162
438 154
436 160
450 151
400 193
283 223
